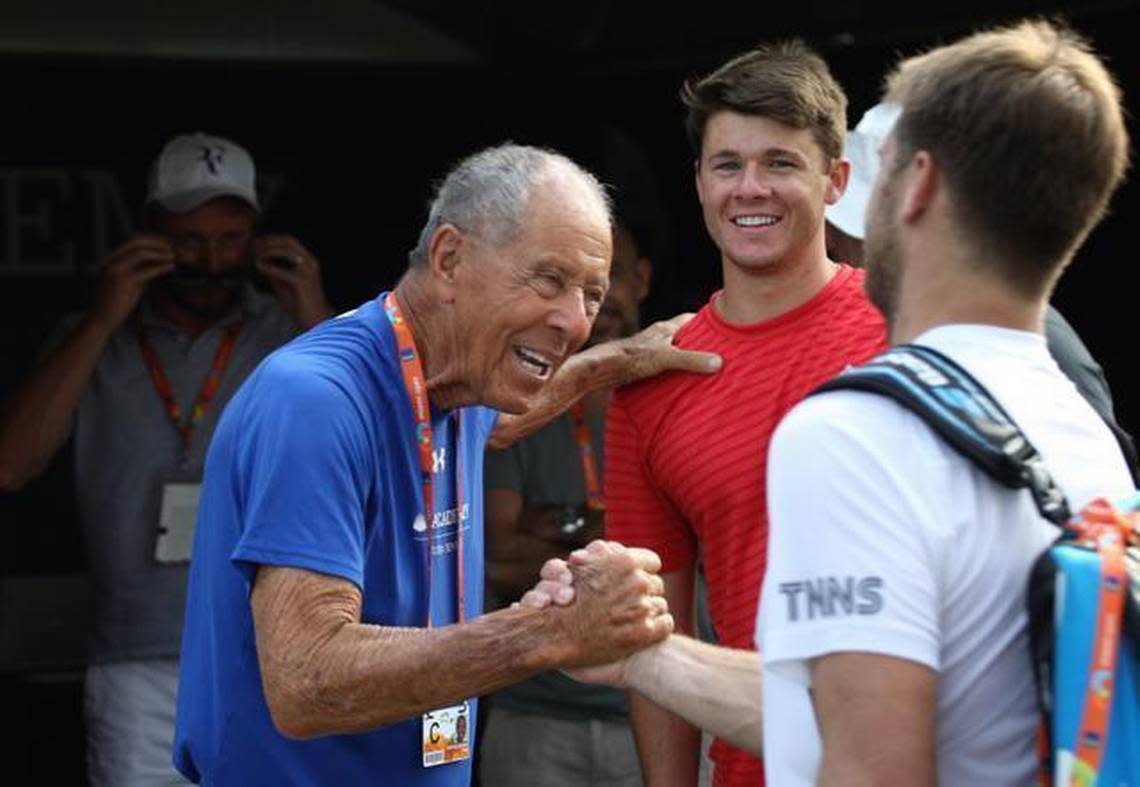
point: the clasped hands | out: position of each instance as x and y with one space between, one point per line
615 600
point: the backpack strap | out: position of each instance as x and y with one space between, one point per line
963 413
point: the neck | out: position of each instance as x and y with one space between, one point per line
755 296
435 343
948 288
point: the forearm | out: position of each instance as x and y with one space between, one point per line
668 747
602 366
363 676
716 688
37 419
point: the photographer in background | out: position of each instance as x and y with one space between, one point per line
137 383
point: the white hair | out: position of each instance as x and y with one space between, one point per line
486 194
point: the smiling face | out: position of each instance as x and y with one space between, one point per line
763 187
522 308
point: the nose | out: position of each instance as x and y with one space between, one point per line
752 183
571 318
211 258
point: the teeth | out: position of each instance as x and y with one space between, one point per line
754 221
534 360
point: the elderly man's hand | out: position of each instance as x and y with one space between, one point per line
295 276
651 352
555 586
617 608
556 581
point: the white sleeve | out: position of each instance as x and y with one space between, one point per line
853 546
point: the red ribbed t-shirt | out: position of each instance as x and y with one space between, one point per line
687 454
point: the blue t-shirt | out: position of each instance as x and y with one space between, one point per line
314 466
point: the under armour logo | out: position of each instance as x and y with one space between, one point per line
439 460
212 158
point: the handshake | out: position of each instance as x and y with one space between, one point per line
606 602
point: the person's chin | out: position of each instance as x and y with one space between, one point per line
511 403
516 395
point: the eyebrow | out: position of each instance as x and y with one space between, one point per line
785 152
567 270
766 153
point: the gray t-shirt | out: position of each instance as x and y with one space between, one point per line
545 469
126 447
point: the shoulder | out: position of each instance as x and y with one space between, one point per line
846 430
294 379
697 332
849 308
343 360
700 333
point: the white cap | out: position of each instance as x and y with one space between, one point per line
194 168
862 150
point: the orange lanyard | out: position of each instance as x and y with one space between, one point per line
210 385
594 499
413 373
1110 530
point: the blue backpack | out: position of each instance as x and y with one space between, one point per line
1084 590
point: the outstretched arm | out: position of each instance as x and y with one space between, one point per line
325 672
712 687
715 688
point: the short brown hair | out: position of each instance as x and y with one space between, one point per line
786 81
1026 125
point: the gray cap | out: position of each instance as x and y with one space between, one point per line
194 168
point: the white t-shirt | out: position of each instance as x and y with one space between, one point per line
884 540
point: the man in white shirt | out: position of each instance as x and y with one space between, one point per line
892 625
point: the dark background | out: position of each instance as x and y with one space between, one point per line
351 139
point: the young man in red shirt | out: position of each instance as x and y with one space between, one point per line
686 454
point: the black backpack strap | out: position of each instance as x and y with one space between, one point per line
963 413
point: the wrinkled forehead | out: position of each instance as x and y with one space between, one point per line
567 213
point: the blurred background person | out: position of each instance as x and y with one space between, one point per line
137 383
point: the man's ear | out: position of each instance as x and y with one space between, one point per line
837 178
697 180
923 180
445 254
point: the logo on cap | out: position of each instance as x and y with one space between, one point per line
212 157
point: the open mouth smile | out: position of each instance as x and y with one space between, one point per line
533 361
756 220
